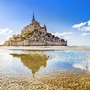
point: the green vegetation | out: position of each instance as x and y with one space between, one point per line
53 36
48 34
23 37
15 37
27 35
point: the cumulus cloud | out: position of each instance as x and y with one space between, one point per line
89 23
8 36
8 33
83 26
79 25
85 34
5 31
65 35
62 34
82 67
5 34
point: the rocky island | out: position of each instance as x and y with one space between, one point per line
35 35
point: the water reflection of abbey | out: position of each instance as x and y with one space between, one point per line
32 61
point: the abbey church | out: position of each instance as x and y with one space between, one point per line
35 35
34 25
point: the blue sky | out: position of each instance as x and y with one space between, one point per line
68 19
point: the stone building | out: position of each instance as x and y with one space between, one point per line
34 25
35 35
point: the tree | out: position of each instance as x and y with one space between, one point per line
48 34
62 40
15 37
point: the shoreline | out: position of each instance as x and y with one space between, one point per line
46 47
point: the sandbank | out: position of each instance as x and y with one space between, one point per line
47 47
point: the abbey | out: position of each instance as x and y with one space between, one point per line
34 25
35 35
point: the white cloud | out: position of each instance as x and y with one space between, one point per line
8 33
5 34
82 67
83 26
85 34
65 35
79 25
89 23
62 34
3 31
8 36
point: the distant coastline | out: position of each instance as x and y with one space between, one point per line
46 47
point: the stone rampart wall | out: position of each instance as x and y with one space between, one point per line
34 43
20 43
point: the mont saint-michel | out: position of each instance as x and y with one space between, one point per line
35 35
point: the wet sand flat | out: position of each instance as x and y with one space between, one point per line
31 70
47 47
55 81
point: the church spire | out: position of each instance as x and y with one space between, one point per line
33 16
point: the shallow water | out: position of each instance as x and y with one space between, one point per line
44 70
42 62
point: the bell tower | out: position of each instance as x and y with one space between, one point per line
33 19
